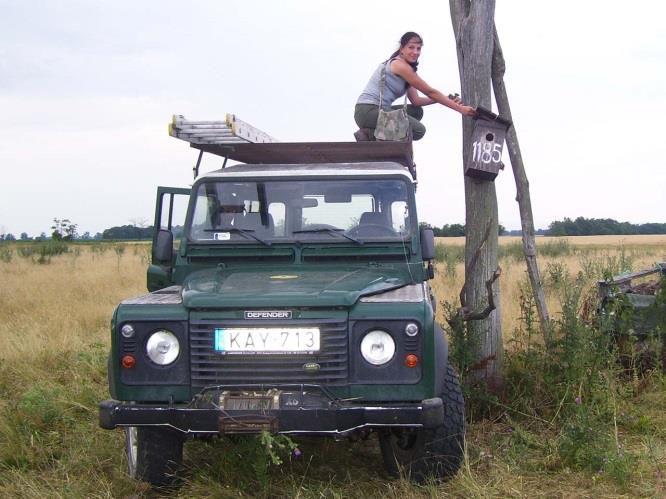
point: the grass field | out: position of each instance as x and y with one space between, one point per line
54 339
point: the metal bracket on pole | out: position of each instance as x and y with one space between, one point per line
196 167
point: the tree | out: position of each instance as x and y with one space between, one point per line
582 226
128 232
139 222
473 29
63 229
71 232
24 236
454 230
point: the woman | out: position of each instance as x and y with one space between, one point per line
401 78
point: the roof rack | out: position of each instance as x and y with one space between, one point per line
234 139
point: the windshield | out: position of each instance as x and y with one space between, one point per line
285 211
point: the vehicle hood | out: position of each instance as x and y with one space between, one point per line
297 286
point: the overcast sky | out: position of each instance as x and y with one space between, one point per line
88 87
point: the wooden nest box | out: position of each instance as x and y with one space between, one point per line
485 157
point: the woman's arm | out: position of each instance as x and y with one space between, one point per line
416 99
404 70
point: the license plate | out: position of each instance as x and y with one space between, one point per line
267 340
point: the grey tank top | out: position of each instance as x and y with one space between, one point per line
394 88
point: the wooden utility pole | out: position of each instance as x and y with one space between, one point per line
473 24
480 61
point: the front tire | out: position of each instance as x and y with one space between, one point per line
424 453
153 454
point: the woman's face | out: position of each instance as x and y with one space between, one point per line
411 51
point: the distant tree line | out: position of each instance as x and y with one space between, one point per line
455 230
64 229
132 232
128 232
582 226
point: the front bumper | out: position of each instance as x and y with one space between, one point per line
329 418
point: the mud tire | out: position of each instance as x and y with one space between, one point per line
437 453
154 455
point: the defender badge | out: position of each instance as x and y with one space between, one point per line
268 314
311 367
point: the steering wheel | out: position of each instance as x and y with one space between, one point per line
371 230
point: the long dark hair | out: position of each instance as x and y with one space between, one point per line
404 40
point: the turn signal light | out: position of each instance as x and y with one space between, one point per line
128 361
411 360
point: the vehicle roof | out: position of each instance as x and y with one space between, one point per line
374 169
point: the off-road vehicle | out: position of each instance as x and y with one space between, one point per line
296 301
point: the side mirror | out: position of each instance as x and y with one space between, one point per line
163 247
427 244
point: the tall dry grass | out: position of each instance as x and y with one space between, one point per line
67 303
588 255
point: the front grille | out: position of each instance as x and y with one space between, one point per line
210 368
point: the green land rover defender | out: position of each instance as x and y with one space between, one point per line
295 301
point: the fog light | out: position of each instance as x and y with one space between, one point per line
411 360
162 347
127 331
128 361
411 329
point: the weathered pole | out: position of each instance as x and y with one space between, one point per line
522 188
473 28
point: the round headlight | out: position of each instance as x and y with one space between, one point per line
162 347
127 331
411 329
377 347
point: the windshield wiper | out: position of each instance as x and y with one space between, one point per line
328 230
244 232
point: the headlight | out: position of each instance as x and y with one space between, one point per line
162 347
377 347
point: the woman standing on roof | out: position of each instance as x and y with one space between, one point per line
401 78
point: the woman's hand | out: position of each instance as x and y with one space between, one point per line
455 98
467 111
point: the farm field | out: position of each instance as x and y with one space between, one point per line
599 432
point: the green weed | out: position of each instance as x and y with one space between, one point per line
6 255
555 273
556 248
513 250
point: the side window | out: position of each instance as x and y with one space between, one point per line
400 216
174 209
171 210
